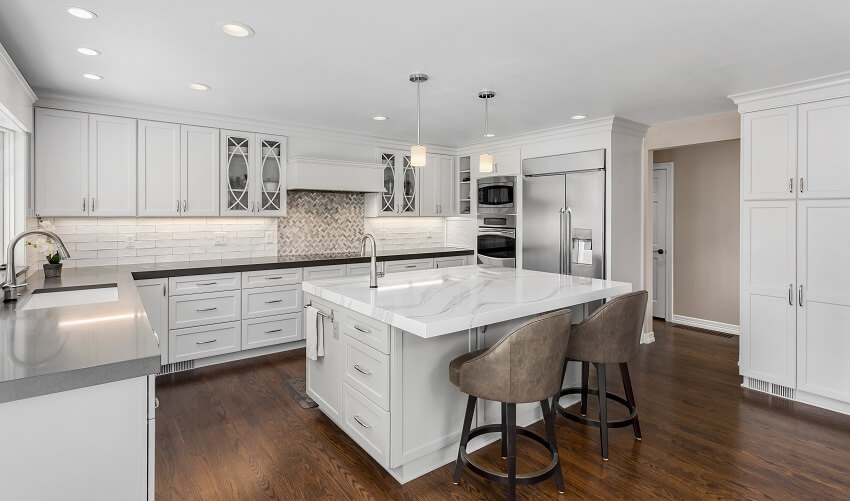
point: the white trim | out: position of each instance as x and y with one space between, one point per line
668 167
6 59
707 324
805 91
647 337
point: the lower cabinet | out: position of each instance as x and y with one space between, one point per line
450 262
408 265
269 331
367 424
205 341
323 374
154 295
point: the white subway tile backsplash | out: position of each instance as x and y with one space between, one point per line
137 260
153 252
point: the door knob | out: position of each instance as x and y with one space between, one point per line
660 251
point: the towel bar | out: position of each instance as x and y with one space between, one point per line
322 313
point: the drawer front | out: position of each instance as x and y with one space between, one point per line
367 424
266 301
449 262
409 265
202 309
203 283
204 341
368 371
360 269
367 330
270 278
267 331
320 272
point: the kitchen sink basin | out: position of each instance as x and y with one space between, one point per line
71 296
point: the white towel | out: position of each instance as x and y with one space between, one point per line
315 334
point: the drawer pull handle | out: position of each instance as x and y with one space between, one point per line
361 370
361 329
273 330
274 278
206 342
205 283
207 309
410 266
270 301
361 422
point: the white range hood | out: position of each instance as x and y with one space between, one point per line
315 174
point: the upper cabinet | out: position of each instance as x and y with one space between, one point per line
61 163
112 166
199 171
436 182
769 154
401 185
253 170
824 149
505 163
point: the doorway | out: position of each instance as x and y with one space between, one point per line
662 241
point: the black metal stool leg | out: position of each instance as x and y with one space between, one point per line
585 373
464 437
603 410
630 397
511 411
504 430
549 421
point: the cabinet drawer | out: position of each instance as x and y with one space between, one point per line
367 330
203 283
449 262
201 309
266 301
408 265
368 371
320 272
361 269
267 278
204 341
271 330
367 424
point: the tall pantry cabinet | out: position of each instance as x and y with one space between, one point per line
795 245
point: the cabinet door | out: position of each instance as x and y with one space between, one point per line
199 167
270 188
61 163
324 376
769 154
507 162
388 200
159 169
768 311
237 170
429 184
408 188
154 295
112 166
445 187
824 150
823 318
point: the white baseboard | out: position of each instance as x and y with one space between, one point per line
647 337
707 324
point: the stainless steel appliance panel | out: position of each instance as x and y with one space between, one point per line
586 223
496 195
585 160
544 200
497 246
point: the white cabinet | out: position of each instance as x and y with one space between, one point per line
159 169
823 298
436 182
61 163
464 186
769 154
199 171
824 149
505 162
154 295
401 185
768 278
450 261
324 375
112 166
253 170
408 265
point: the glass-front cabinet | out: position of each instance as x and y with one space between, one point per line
253 174
401 180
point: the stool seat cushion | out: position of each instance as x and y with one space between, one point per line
454 365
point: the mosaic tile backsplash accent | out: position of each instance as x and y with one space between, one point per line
319 222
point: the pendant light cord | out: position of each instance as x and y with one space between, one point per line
418 108
486 113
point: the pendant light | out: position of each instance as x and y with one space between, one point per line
417 153
485 161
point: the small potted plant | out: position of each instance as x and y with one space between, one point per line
47 247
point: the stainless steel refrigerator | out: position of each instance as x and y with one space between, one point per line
563 214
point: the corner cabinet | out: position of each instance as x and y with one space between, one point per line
401 185
253 174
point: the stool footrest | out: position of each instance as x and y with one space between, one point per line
521 479
620 423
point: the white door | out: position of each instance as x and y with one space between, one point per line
824 150
387 202
237 171
270 188
823 298
324 376
407 183
112 166
660 252
199 166
769 154
61 163
159 169
768 276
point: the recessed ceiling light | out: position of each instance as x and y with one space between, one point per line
579 117
88 52
234 29
379 118
81 13
198 86
489 134
92 76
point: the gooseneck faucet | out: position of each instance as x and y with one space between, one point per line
10 286
373 264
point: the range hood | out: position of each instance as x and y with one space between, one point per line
315 174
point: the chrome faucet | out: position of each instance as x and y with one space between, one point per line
373 264
10 286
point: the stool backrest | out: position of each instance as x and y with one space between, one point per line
611 334
524 366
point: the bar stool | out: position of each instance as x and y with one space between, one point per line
524 366
610 335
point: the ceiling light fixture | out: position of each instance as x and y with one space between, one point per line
81 13
417 153
485 161
92 76
579 117
379 118
88 52
235 29
198 86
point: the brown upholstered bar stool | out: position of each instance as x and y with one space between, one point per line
524 366
610 335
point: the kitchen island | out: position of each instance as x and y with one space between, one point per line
384 376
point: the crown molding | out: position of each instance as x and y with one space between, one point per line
804 91
57 100
13 69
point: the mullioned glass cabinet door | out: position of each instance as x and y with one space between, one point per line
237 174
388 198
270 189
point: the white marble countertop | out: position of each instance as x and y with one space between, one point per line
430 303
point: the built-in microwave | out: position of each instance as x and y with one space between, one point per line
496 195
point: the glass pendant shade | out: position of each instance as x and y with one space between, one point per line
417 156
485 163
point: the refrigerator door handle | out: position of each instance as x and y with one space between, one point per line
562 211
569 264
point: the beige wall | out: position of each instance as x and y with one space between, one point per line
705 234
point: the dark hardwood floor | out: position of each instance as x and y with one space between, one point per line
232 432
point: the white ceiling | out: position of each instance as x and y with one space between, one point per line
334 64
